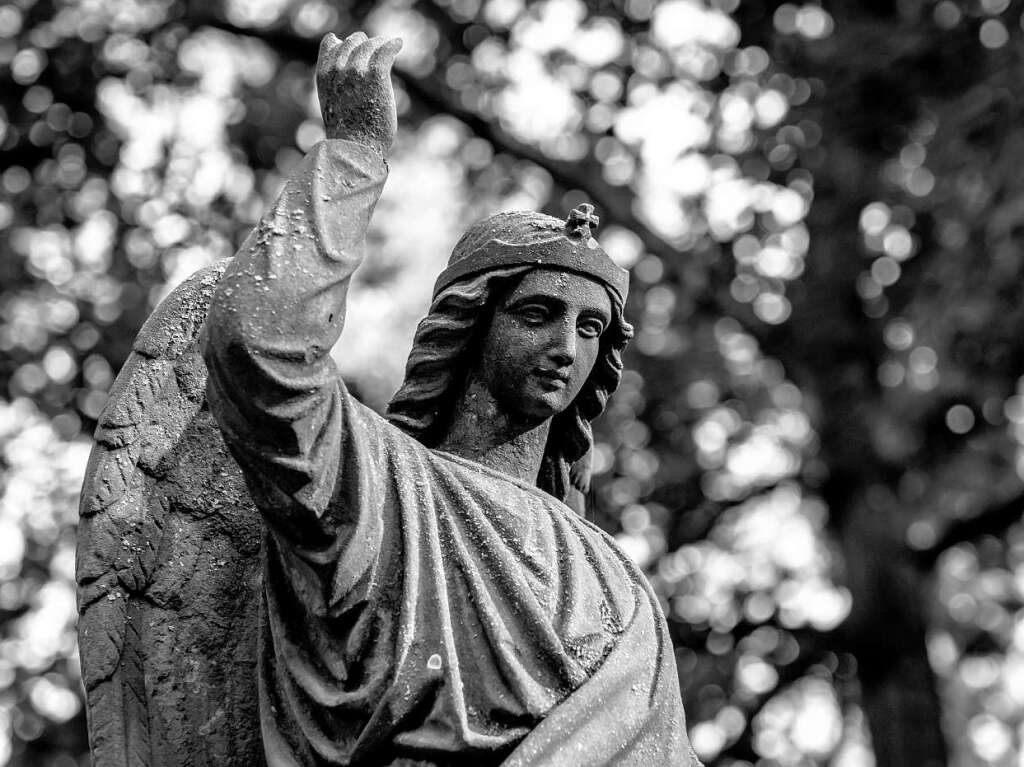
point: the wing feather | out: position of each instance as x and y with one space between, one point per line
136 389
167 561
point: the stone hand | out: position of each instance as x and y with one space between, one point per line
353 81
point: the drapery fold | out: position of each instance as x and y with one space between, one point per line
418 608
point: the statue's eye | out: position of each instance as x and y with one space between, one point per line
590 328
533 314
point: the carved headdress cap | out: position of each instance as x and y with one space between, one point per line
526 238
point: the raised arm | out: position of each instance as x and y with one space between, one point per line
280 306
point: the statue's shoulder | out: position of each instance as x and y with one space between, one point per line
388 437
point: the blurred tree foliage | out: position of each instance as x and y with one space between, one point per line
818 449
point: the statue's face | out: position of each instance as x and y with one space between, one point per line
543 342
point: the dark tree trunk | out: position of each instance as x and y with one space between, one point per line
886 634
867 96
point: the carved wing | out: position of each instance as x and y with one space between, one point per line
168 561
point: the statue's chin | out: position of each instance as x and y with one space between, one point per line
538 406
533 399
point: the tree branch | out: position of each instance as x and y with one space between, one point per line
990 521
613 202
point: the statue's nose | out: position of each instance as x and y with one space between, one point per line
563 349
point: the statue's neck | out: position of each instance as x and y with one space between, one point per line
481 431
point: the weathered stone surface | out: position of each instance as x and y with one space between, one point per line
168 562
411 591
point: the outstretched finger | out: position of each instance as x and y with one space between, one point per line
384 56
328 43
334 52
349 44
360 57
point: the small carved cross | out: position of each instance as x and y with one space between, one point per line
583 215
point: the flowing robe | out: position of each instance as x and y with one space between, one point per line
418 608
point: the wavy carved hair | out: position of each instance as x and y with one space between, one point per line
442 353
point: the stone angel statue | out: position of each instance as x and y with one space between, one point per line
271 573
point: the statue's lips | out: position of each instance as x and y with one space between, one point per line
552 379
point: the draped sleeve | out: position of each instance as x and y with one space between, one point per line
280 307
417 608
